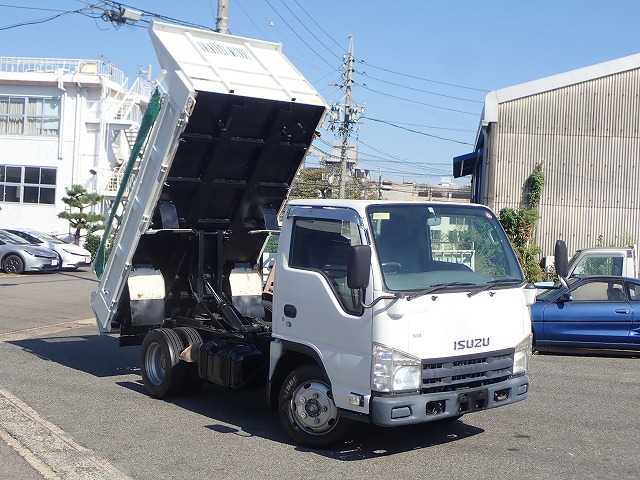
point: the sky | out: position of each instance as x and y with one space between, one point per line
422 67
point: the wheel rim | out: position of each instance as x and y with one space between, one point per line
156 364
12 265
313 409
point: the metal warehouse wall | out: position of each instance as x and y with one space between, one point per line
586 138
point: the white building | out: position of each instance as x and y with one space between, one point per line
62 122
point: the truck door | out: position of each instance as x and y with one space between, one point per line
313 304
598 314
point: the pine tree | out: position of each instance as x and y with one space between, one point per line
79 200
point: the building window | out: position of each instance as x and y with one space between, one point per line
27 184
29 116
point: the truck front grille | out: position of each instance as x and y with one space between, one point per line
467 371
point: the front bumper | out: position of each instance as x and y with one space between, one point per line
45 266
390 411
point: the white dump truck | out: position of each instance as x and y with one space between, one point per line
367 322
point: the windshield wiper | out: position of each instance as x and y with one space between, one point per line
492 283
437 287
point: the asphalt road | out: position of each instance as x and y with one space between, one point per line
72 406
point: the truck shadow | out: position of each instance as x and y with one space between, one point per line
368 441
232 412
244 413
365 441
93 354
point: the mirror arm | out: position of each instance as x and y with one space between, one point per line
384 297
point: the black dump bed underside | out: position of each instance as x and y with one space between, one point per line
233 168
231 173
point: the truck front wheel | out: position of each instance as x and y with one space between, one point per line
307 409
163 374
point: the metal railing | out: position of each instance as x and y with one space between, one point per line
54 65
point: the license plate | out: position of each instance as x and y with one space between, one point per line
54 262
472 401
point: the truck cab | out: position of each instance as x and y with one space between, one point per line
620 261
438 328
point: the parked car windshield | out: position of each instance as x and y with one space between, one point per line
423 246
47 238
11 238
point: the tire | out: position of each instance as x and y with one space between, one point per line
163 374
190 336
13 264
307 410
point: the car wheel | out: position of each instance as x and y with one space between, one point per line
307 409
13 264
163 374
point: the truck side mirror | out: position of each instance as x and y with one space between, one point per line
561 258
359 266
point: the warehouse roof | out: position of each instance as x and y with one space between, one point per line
493 99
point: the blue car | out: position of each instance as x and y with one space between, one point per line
594 312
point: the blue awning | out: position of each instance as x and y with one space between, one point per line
464 165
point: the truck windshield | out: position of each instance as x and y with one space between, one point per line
432 247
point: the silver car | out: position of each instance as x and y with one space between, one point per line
18 255
71 255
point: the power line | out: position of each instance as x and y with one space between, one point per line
420 133
297 34
308 30
422 78
419 89
318 25
364 85
39 9
45 19
419 125
390 159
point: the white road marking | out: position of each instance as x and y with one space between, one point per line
47 448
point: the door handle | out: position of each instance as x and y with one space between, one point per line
290 311
621 310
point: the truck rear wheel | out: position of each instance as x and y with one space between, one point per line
190 336
163 374
307 409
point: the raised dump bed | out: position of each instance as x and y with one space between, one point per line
235 123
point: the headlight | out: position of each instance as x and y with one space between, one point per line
33 252
394 371
522 356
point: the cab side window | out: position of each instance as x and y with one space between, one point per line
324 246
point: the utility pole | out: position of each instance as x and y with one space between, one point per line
222 22
346 126
344 117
